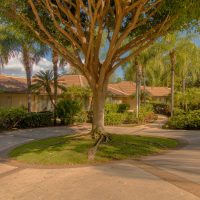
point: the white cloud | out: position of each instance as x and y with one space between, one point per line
15 66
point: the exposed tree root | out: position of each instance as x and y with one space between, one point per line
100 138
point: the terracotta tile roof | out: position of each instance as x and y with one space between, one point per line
158 91
123 88
73 80
12 84
126 88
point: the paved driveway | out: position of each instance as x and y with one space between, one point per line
174 175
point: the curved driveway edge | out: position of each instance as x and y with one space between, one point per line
174 175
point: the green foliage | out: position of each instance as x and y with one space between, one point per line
10 118
81 117
19 118
123 107
35 120
190 120
161 108
178 111
67 110
116 108
114 118
189 100
75 92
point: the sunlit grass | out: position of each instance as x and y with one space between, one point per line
70 151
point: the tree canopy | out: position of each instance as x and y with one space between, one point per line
79 30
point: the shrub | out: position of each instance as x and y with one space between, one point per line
114 118
190 120
179 111
131 118
34 120
116 108
111 108
146 114
123 107
67 110
81 117
10 118
19 118
161 108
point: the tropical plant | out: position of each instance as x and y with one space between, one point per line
14 42
67 110
44 82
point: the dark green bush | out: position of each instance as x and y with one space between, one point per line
34 120
10 118
161 108
123 107
114 118
190 120
67 110
116 108
19 118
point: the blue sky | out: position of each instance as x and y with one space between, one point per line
15 67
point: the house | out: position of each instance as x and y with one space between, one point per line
13 92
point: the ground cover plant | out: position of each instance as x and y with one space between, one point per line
67 150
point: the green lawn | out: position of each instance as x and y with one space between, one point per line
70 151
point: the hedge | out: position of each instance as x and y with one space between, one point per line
19 118
190 120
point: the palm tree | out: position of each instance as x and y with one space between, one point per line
8 47
31 50
44 82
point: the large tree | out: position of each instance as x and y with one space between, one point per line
81 24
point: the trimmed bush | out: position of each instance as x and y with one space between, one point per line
111 108
190 120
19 118
10 118
67 110
123 107
116 108
34 120
114 118
161 108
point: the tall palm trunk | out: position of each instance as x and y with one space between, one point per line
28 69
173 62
144 83
138 86
55 70
183 91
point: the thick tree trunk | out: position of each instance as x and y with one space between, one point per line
99 96
55 70
98 132
173 62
